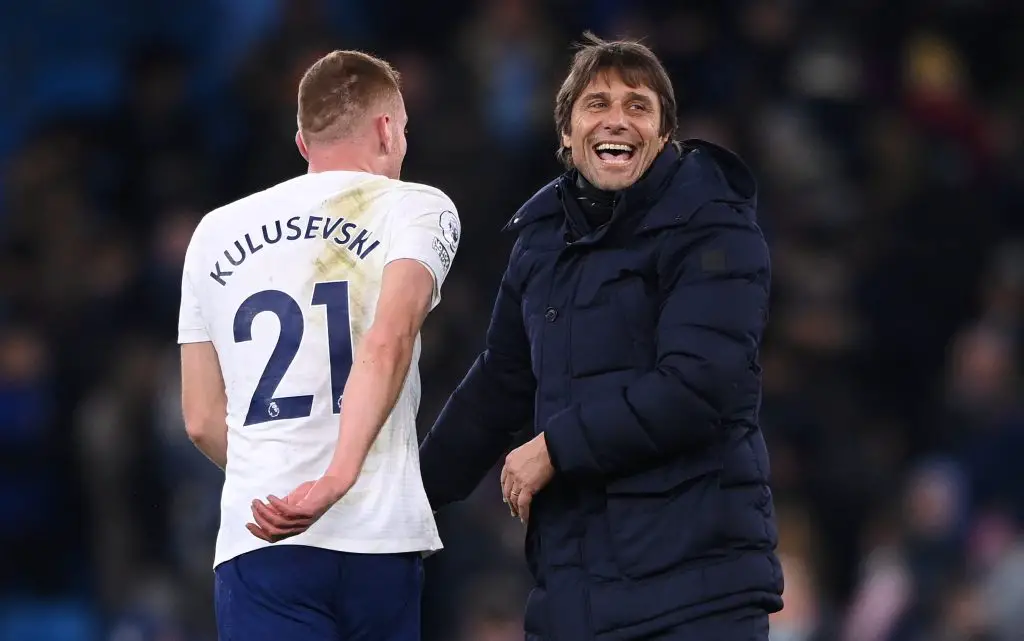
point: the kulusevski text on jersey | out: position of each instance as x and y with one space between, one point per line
345 234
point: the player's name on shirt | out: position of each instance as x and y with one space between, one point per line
349 235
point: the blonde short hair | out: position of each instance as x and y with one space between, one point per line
339 88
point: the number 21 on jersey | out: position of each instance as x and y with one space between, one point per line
333 296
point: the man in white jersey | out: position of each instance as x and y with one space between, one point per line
300 316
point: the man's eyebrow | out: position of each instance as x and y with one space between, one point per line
639 97
630 96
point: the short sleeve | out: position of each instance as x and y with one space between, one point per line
191 327
427 229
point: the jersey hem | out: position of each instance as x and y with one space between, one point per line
398 546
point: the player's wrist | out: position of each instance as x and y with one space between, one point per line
338 483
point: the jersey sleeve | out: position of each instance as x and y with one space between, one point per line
191 326
427 229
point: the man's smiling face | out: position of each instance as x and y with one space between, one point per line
615 134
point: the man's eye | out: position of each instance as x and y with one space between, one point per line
636 106
597 104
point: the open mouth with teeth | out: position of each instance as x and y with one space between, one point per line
615 153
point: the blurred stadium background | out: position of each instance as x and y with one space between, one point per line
888 137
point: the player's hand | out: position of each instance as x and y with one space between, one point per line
527 470
278 519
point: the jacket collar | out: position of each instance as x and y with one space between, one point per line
543 204
548 201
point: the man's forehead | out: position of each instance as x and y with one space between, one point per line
609 81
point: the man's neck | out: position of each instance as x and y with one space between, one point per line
316 167
340 158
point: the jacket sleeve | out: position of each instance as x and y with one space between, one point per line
708 333
493 403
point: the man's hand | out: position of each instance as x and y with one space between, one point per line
278 519
527 470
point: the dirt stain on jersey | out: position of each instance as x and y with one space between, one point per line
336 262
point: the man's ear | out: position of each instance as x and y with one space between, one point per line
382 125
566 140
301 144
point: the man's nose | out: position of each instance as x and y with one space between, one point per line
615 118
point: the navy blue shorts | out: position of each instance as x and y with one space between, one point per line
310 594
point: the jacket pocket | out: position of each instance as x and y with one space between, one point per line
661 518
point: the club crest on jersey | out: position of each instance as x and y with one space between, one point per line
450 229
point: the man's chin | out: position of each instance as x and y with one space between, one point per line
613 182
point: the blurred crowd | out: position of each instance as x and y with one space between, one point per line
888 137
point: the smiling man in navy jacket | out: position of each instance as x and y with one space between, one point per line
627 327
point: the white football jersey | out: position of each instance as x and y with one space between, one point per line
284 283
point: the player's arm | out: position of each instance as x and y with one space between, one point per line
203 396
381 364
423 241
203 401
